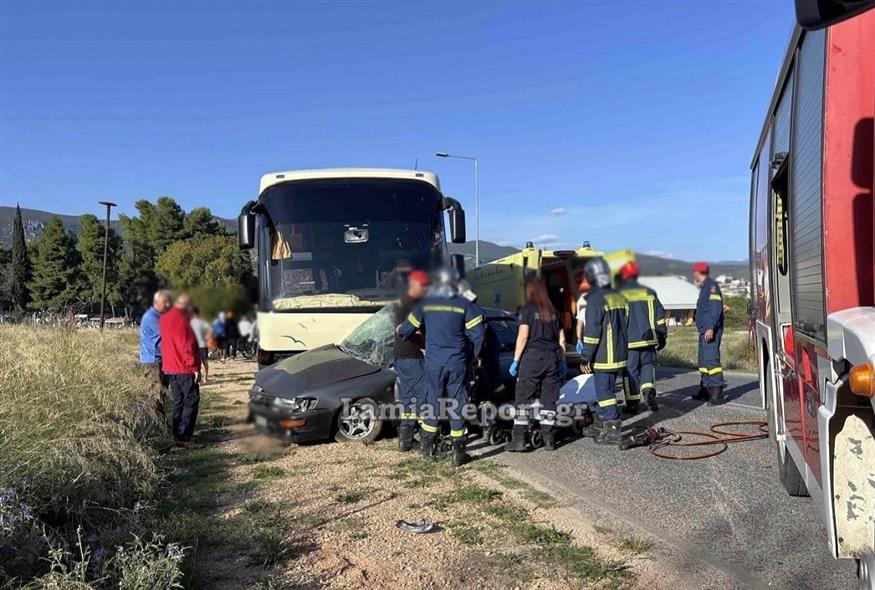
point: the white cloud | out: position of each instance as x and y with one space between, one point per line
558 211
545 239
659 253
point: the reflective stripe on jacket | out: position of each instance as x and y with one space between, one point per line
709 307
646 315
452 327
604 331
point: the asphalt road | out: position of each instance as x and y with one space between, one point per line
727 519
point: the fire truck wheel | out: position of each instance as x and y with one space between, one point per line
789 474
866 572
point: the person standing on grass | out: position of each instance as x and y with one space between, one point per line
150 349
232 335
181 357
219 335
203 333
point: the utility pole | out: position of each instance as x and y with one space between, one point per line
108 206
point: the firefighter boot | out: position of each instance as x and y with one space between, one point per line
650 396
631 407
612 433
549 435
702 394
594 430
715 395
405 438
517 442
460 457
426 446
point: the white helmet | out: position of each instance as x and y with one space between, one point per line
597 272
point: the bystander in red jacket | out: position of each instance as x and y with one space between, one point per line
179 350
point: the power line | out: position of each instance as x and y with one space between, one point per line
34 187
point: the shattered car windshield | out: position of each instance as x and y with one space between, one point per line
372 342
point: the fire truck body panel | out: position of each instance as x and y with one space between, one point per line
812 259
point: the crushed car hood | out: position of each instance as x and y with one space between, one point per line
311 370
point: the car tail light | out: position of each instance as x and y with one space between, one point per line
862 380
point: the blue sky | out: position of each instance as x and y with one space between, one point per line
629 124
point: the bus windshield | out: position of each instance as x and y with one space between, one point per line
345 243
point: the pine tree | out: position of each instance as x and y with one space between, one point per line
55 269
20 268
90 246
200 223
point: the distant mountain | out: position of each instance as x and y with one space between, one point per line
649 264
35 221
488 251
656 265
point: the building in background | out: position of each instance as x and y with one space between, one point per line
678 296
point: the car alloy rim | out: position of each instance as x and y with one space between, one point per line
358 422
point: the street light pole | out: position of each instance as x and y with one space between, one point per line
476 161
108 206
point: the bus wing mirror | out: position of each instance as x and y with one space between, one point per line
457 220
817 14
457 226
246 230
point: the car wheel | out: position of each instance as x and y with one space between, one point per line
359 422
537 439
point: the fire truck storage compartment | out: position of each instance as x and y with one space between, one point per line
806 189
780 204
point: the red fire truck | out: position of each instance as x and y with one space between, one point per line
813 290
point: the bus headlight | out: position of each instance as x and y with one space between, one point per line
862 380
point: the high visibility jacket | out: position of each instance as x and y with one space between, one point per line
604 331
453 328
709 307
646 315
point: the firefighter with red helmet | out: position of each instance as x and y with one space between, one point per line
709 322
646 332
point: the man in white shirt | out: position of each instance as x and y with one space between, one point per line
245 327
583 288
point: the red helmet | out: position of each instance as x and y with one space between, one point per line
629 270
420 276
701 267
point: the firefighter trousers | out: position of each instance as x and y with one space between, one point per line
710 369
602 400
538 380
640 373
411 389
446 398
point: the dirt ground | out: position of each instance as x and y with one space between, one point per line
260 514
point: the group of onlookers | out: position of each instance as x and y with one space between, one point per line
175 343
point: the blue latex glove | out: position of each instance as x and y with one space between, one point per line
514 368
563 369
579 347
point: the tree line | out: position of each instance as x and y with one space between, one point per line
162 246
